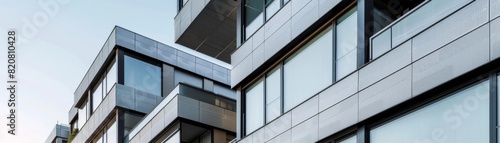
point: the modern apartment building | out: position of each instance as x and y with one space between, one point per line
59 134
139 90
377 71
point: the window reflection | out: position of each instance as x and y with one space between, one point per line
142 76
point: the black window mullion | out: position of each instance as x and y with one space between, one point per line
493 108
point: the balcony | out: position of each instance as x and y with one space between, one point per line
188 103
208 26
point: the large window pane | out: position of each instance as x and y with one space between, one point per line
142 76
309 70
273 94
82 116
254 106
460 118
346 44
97 96
111 78
112 133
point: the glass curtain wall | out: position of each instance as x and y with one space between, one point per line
142 75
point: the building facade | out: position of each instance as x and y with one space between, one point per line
377 71
59 134
139 90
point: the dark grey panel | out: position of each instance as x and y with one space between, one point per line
203 68
189 108
145 46
167 54
186 61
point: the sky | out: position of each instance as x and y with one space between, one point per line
57 40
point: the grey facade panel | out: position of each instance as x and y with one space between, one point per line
278 20
278 40
242 70
338 91
306 132
258 56
146 46
278 126
453 60
495 38
258 38
305 110
326 5
451 28
298 5
338 117
167 54
385 94
286 137
189 108
386 65
258 136
494 9
242 52
305 17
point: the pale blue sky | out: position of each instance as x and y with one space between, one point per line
53 60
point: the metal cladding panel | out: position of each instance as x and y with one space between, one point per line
386 65
338 91
495 39
385 94
453 60
451 28
338 117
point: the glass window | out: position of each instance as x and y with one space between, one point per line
97 96
142 76
271 8
224 90
254 16
309 70
462 117
111 78
273 95
254 106
349 140
82 116
112 133
181 77
176 138
346 43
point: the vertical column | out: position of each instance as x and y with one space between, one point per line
167 80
